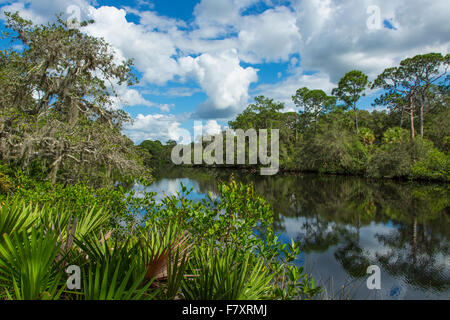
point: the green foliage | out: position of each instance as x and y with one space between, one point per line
350 89
16 216
435 166
226 274
380 146
131 247
263 114
395 135
294 283
314 103
69 132
366 136
437 127
409 87
5 184
156 154
29 269
400 157
333 151
114 271
99 286
391 161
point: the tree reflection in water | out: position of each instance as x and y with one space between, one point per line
352 223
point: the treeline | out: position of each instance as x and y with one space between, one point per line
155 154
330 134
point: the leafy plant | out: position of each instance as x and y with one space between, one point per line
28 270
226 274
15 216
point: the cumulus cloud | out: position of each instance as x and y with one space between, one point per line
271 36
156 127
217 17
42 11
336 38
153 51
223 79
132 97
211 128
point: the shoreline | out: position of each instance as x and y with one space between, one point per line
284 171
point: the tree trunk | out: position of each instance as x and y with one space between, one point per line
315 125
421 122
413 133
73 113
421 108
401 117
356 119
54 171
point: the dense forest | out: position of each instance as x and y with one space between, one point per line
409 138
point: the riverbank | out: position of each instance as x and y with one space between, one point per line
286 171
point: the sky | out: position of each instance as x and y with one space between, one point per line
205 60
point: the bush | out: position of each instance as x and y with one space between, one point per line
401 157
5 184
395 135
162 243
435 166
366 136
394 158
333 151
391 161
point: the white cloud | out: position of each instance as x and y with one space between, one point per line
155 127
153 51
223 79
132 97
165 107
217 17
211 128
41 11
336 38
271 36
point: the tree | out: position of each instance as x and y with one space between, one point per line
262 114
57 103
350 89
409 84
314 103
423 71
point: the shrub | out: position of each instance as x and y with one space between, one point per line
401 157
435 166
333 151
46 230
366 136
5 184
395 135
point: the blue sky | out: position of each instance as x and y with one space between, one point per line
205 60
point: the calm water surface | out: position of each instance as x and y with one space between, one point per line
345 224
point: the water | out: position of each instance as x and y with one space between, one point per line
345 224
